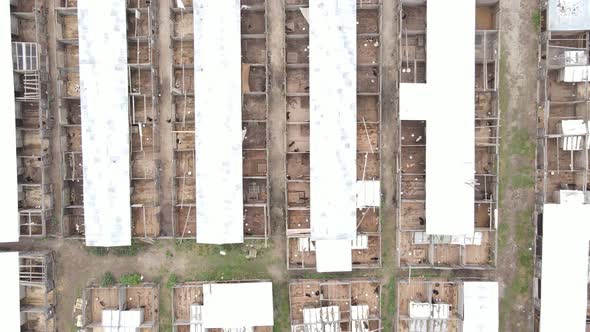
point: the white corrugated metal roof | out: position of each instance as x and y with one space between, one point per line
359 315
447 105
564 15
360 311
10 290
196 318
571 197
323 319
236 305
218 121
574 74
480 302
121 320
368 193
419 309
564 268
360 242
576 131
305 244
441 311
8 176
332 86
102 34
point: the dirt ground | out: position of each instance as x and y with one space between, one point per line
165 126
389 133
518 70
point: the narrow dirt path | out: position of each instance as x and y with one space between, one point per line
277 124
389 144
166 144
53 228
518 72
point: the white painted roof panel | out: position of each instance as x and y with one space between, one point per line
568 15
574 74
9 231
333 255
368 193
332 83
121 320
237 305
218 121
564 268
102 34
10 290
481 303
447 105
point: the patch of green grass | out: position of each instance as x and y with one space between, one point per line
516 172
504 94
318 275
131 250
210 264
97 251
159 277
50 101
388 305
504 102
520 286
164 308
520 181
184 245
536 17
281 307
131 279
503 231
381 217
520 143
421 273
525 236
169 254
107 280
172 280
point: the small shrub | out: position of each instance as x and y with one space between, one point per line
172 280
108 280
132 279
